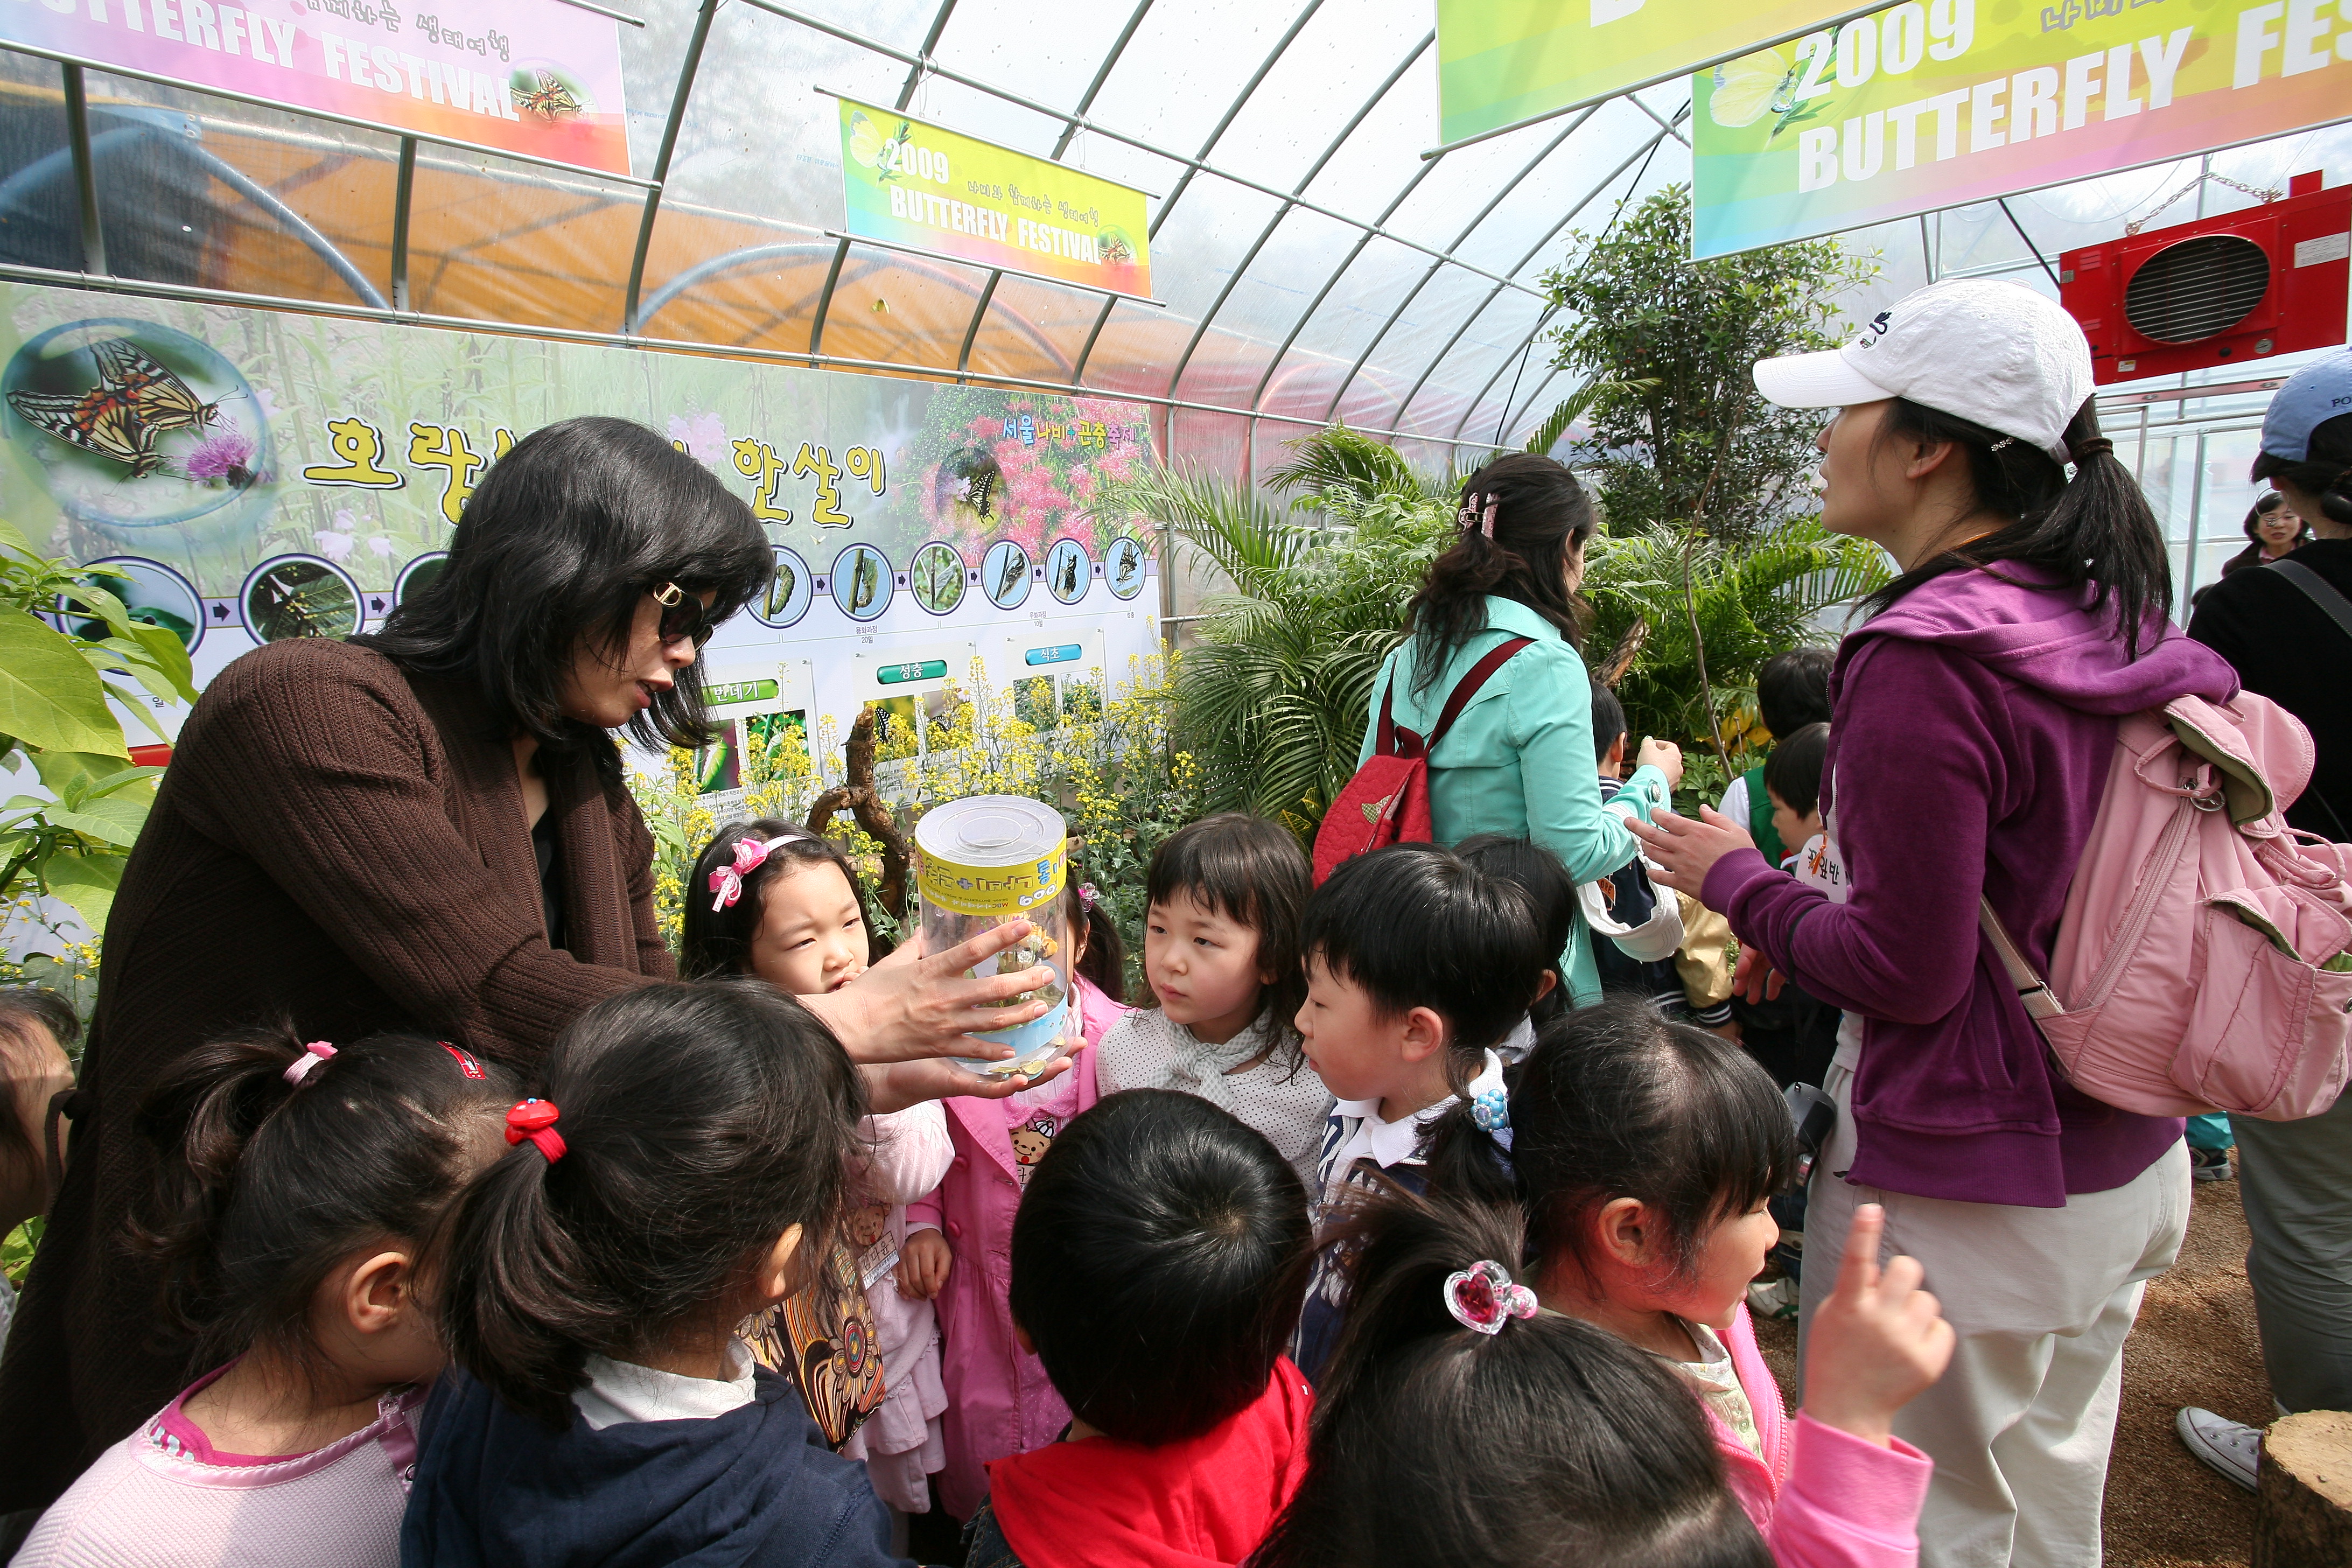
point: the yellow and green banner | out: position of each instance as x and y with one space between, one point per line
1921 106
1502 63
918 187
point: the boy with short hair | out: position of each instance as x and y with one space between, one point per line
1792 691
1418 965
1158 1262
1696 982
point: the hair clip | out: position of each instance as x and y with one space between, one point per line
2004 441
2096 447
535 1120
1486 519
1467 518
751 853
1491 1109
312 1055
463 1059
1088 897
1484 1297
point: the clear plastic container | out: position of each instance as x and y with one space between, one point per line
980 862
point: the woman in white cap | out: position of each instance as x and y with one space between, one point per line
1974 716
2286 629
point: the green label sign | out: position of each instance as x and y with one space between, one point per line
899 674
735 691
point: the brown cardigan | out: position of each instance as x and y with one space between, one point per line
337 843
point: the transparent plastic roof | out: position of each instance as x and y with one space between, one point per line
1310 264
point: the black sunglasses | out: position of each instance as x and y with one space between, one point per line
684 615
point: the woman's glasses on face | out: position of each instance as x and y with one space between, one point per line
683 615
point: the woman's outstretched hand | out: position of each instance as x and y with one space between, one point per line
911 1006
1877 1343
1683 849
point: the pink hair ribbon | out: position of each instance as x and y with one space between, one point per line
312 1055
727 881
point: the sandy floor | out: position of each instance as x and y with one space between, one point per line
2194 1345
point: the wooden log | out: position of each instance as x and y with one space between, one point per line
2303 1508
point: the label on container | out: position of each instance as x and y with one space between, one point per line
1007 890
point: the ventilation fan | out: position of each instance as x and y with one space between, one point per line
2245 286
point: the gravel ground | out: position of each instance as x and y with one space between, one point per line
2194 1344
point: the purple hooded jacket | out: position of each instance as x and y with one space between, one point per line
1973 724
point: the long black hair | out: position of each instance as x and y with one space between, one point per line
719 941
563 537
700 1121
1548 1444
263 1186
1541 515
2095 528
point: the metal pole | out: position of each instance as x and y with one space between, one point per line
93 236
2196 516
687 68
402 189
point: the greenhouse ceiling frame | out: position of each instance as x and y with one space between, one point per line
638 305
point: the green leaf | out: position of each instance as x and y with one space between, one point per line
89 772
113 821
49 695
86 883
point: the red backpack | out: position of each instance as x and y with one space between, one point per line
1388 800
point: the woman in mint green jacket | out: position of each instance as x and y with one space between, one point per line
1519 759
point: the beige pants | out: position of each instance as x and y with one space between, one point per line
2021 1424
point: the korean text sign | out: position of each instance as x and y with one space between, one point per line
1921 106
534 77
909 184
1500 62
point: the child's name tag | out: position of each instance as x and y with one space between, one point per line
877 1260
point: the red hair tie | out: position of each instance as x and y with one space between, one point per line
535 1120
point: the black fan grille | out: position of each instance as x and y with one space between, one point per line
2197 289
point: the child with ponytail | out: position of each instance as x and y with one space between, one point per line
682 1167
773 900
300 1185
1459 1424
1645 1151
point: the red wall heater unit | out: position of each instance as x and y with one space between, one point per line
2222 290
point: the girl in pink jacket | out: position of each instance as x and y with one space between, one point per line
1645 1151
958 1247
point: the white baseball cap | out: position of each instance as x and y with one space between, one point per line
1998 355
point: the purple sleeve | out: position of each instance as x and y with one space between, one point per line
1849 1503
1918 772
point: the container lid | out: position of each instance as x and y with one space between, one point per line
990 830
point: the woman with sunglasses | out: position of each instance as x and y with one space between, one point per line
422 828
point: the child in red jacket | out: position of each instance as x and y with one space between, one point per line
1159 1262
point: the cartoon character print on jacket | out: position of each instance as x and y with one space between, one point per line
1030 1141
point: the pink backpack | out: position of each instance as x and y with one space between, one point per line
2204 958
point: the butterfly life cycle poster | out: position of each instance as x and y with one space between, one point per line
539 77
919 186
263 474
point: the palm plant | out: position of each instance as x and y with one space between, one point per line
1749 599
1273 698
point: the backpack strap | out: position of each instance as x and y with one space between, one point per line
2033 991
2318 589
1467 687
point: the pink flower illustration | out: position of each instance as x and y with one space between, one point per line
704 435
225 454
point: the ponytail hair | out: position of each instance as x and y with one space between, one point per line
1548 1442
719 940
264 1183
1520 518
699 1122
2095 528
1105 959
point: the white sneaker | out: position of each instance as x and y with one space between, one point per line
2233 1450
1773 1298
